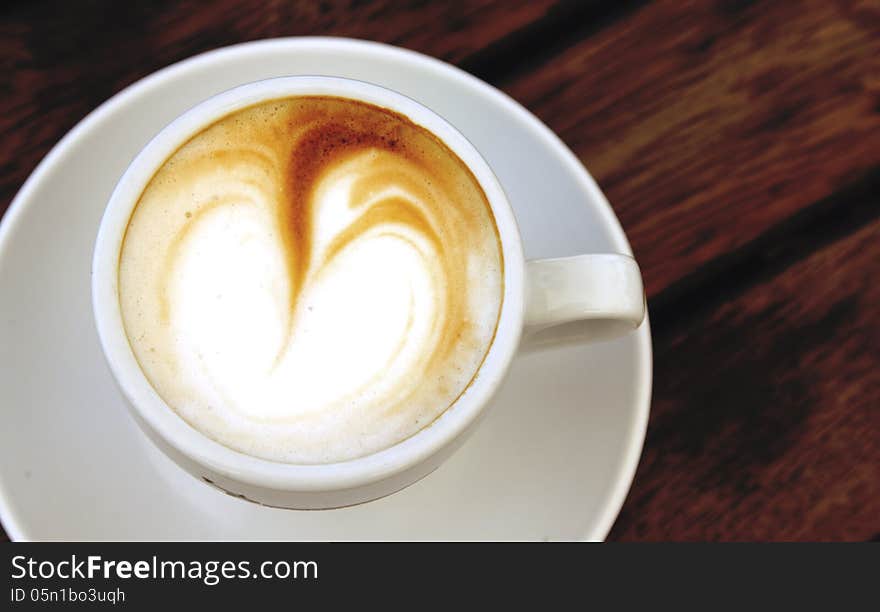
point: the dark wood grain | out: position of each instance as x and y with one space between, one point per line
720 131
59 60
765 422
706 123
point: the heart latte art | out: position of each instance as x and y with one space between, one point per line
311 279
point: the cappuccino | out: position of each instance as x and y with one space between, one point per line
311 279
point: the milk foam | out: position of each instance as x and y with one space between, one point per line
311 280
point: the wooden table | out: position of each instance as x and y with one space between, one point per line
738 142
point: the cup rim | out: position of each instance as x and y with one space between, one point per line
152 411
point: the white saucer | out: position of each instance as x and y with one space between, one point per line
553 459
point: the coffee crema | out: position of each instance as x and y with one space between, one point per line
311 279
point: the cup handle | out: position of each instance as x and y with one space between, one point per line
585 298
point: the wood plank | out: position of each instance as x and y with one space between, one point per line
59 60
706 123
766 409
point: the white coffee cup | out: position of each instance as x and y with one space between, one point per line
545 302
